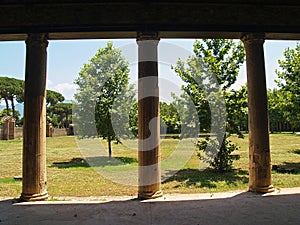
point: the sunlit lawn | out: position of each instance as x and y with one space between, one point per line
69 175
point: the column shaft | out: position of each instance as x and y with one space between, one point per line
34 129
149 125
259 147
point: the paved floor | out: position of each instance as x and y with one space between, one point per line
281 207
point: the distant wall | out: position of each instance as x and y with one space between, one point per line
59 132
19 132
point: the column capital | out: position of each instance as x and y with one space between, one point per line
253 37
147 36
37 40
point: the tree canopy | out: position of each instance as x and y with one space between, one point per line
60 114
289 85
53 97
210 73
11 89
105 78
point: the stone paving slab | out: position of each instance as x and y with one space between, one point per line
281 207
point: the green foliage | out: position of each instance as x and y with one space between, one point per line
276 111
133 119
223 160
59 114
4 112
289 84
11 89
123 112
216 63
237 110
53 97
222 57
208 76
101 84
169 117
55 108
2 120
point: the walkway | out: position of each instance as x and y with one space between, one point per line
281 207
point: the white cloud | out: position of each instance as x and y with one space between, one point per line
49 83
66 89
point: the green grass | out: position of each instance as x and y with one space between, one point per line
69 174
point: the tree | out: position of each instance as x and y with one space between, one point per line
64 111
133 119
105 77
237 110
11 89
169 116
276 112
289 83
53 97
4 112
215 63
54 114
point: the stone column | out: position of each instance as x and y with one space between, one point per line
148 110
11 129
6 130
34 130
259 146
49 130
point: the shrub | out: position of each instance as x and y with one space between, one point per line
222 159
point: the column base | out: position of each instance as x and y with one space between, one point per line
262 189
150 195
34 197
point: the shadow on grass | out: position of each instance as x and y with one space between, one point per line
75 162
287 167
94 161
296 151
207 178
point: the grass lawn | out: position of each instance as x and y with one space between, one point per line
69 175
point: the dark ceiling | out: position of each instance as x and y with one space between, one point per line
72 19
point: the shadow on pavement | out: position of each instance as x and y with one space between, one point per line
221 208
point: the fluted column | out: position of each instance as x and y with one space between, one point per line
148 116
259 146
34 130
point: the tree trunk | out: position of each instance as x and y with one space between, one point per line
7 106
109 148
108 138
13 107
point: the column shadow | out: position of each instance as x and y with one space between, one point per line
96 161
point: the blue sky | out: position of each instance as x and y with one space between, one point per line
65 58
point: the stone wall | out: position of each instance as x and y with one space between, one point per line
19 132
59 132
